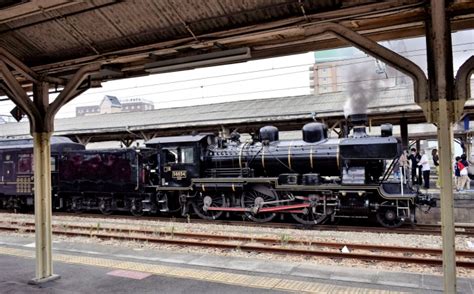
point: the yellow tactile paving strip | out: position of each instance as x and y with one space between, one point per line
202 275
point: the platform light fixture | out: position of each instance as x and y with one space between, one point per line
201 60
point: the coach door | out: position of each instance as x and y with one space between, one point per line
180 165
8 174
8 168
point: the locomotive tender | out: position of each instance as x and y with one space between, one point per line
314 179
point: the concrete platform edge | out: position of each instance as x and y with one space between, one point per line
302 270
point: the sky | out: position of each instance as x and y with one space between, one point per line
275 77
267 78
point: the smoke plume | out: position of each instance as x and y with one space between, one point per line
363 85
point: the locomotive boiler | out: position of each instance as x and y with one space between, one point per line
360 158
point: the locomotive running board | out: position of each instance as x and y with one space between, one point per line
266 209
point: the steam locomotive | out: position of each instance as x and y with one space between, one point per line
313 180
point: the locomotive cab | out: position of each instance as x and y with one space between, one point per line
179 158
178 165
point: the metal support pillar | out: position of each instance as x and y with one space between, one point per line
42 174
445 134
83 140
441 79
464 144
42 180
127 142
404 132
468 145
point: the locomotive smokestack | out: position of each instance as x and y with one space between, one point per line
358 119
358 122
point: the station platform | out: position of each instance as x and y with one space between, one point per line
463 207
93 268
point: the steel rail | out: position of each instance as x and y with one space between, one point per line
420 229
415 230
265 240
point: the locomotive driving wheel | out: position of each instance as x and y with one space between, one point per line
312 215
387 216
105 207
77 205
136 207
203 201
253 199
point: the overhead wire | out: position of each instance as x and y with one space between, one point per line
203 78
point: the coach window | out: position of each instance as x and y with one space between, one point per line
53 164
24 164
187 155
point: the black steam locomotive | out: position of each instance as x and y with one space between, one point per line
314 180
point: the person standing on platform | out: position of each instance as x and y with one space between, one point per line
457 175
424 163
465 181
404 164
434 155
414 159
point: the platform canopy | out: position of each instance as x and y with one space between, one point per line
135 38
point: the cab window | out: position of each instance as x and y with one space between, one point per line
171 155
187 155
183 155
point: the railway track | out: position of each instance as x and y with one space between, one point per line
366 252
419 229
